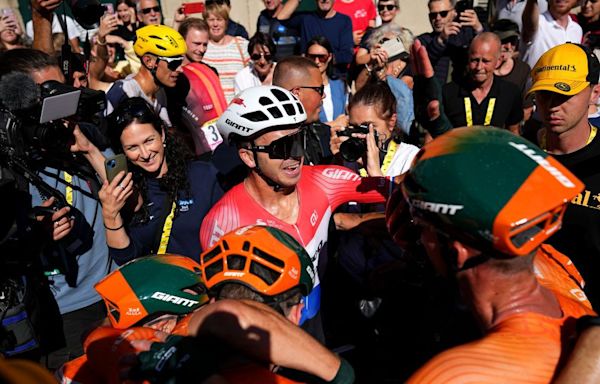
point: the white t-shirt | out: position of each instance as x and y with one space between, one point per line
513 10
402 160
72 29
549 35
328 103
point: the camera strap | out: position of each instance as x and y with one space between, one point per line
387 160
68 188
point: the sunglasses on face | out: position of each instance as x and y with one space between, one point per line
322 57
286 147
386 7
172 62
146 11
320 89
433 15
257 56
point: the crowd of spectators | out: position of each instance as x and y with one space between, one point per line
480 136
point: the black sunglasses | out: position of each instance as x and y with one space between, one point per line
257 56
172 62
321 57
433 15
286 147
146 11
320 89
131 109
384 7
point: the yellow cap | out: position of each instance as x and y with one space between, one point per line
567 69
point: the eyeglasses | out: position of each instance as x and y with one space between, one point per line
433 15
286 147
320 89
386 7
172 62
257 56
146 11
131 109
322 57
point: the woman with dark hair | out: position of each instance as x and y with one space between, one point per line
172 194
319 50
261 49
127 20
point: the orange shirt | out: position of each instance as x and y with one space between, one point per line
524 348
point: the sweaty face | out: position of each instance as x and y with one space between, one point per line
560 113
217 26
124 13
483 59
167 77
150 12
264 63
143 146
436 9
590 9
284 172
310 98
385 13
197 42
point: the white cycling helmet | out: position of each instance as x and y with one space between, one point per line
257 110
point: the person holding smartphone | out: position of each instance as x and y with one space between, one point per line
158 206
11 33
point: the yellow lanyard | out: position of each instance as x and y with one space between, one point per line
387 160
166 232
69 189
488 114
593 131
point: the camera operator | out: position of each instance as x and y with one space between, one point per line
76 232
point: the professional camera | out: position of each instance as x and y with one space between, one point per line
353 148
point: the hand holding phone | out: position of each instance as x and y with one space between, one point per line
114 165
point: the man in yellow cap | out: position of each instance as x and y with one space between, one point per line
564 80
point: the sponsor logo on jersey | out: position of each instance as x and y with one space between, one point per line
444 209
134 311
293 273
313 218
341 174
217 233
184 205
531 153
174 299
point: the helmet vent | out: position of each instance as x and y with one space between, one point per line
279 95
210 255
276 112
225 245
246 246
289 108
271 259
256 116
266 274
265 101
236 262
213 269
300 108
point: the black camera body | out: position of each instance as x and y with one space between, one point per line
353 148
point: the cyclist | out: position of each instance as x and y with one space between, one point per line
487 201
264 122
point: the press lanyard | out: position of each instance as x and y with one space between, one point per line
166 232
387 160
69 189
593 131
488 114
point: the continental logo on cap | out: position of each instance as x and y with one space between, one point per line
562 87
545 68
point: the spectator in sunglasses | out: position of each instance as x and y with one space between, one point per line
228 54
336 95
450 39
148 12
159 205
262 50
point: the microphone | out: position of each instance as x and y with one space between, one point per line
18 92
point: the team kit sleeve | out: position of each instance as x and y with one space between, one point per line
222 218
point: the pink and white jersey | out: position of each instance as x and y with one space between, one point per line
320 191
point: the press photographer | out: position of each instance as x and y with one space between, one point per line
66 163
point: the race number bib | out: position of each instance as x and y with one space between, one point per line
211 134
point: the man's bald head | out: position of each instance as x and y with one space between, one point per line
291 71
487 38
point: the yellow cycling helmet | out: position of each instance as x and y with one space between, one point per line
159 40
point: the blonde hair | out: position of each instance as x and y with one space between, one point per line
220 10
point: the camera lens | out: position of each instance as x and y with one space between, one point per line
353 148
111 163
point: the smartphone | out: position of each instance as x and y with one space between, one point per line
462 6
109 8
8 12
189 8
114 165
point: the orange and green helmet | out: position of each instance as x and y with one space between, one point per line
152 285
265 259
489 188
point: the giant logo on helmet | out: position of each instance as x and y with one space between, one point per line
174 299
444 209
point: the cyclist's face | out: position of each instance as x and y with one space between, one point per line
143 146
284 172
